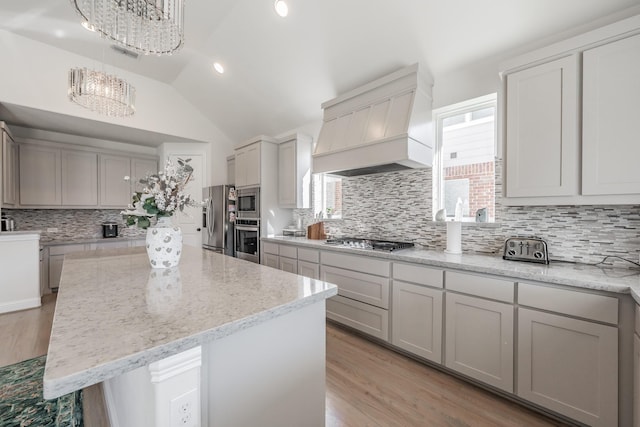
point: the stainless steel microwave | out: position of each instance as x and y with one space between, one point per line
248 202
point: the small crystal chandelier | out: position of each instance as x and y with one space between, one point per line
145 26
101 92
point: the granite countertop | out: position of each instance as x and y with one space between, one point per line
609 279
114 313
51 241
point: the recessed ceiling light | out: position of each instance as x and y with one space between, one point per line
218 67
88 26
281 8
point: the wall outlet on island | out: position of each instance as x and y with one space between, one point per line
185 410
52 230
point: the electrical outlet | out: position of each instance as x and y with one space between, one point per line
185 410
52 230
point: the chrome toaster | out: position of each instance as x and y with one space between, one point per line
529 249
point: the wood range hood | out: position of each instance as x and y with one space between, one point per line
382 126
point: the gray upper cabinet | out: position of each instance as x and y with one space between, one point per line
120 177
55 177
40 176
9 168
79 178
569 117
610 126
115 191
247 165
294 171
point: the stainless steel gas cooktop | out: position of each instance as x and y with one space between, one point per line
357 243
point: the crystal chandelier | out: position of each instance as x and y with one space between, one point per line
101 92
145 26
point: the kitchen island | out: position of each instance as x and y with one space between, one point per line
19 270
215 341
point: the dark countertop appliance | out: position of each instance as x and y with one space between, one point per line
380 245
109 229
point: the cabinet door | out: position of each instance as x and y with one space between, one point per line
9 156
79 178
289 264
569 366
40 177
55 270
309 269
287 186
636 380
542 148
115 191
241 167
139 169
271 260
416 319
479 339
611 89
252 171
231 170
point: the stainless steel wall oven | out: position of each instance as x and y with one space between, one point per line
247 239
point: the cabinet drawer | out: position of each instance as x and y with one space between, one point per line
270 248
358 286
363 317
356 263
65 249
482 286
418 274
580 304
309 269
288 251
108 245
310 255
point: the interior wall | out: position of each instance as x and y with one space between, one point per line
35 75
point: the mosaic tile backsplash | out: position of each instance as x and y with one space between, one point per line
398 206
72 224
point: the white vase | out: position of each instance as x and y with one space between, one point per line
164 244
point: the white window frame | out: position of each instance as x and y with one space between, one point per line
323 194
439 115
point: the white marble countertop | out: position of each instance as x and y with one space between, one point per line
609 279
114 313
48 241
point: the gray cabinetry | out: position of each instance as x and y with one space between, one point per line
417 311
636 370
120 177
569 365
79 183
9 167
294 178
40 176
247 165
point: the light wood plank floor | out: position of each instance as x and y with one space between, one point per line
367 385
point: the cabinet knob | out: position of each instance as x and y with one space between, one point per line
198 229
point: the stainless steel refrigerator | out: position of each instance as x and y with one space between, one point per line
218 216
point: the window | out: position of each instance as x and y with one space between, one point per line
464 166
327 196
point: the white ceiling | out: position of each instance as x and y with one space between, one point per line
279 70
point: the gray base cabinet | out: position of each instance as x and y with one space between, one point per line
417 320
366 318
636 371
569 366
479 339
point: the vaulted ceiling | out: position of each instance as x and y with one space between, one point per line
279 70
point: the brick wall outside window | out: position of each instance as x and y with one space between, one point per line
481 178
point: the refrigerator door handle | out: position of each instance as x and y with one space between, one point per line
212 218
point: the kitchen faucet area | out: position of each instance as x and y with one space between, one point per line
279 213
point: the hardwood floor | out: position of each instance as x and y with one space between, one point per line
367 385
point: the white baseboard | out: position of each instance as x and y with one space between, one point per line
20 305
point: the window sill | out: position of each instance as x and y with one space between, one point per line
474 224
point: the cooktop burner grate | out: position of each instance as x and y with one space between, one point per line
358 243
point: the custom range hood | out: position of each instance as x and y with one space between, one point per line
382 126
